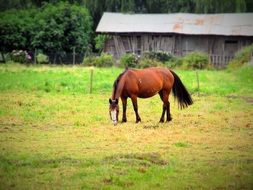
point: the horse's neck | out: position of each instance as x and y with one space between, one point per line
119 88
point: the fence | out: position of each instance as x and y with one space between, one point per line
220 61
61 57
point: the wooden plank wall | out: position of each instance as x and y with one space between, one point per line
220 49
138 44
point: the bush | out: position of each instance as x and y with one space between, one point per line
42 58
144 63
195 60
104 60
20 56
241 57
89 61
159 56
100 41
129 60
175 62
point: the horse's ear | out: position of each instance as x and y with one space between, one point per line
117 101
110 100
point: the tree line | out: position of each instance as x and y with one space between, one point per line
59 25
52 27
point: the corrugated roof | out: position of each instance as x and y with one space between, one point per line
235 24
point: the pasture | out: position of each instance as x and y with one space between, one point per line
55 135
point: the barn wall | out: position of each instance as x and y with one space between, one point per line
118 45
223 48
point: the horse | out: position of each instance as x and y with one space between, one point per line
145 83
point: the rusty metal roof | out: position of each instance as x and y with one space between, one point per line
229 24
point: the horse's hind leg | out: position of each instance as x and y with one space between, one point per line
135 105
164 95
168 112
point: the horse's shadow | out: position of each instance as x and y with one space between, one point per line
152 126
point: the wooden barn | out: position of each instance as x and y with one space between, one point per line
219 35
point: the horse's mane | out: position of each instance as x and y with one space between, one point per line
116 82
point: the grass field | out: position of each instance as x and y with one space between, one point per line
55 135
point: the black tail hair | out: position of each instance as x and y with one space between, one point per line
180 92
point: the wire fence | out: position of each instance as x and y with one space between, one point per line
37 57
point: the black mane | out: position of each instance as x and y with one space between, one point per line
116 82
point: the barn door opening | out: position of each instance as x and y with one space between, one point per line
231 47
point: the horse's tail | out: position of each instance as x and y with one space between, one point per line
180 92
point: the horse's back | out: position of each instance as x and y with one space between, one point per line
148 82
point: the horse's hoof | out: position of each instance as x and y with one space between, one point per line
168 120
161 121
124 120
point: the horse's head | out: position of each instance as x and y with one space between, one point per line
114 110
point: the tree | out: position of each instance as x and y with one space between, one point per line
62 27
15 29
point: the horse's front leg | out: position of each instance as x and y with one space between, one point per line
135 105
124 106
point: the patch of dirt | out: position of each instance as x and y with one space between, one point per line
145 159
245 98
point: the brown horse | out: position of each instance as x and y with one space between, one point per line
146 83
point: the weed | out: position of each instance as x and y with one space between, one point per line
181 144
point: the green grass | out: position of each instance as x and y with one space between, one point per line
55 135
67 80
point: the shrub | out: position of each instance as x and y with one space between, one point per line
144 63
159 56
42 58
89 61
20 56
195 60
100 41
242 56
129 60
104 60
175 62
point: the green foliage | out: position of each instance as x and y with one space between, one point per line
242 57
100 41
176 62
20 56
196 60
89 61
62 27
16 29
104 60
145 63
129 60
58 27
42 58
159 56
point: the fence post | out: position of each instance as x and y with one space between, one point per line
91 80
74 55
35 55
197 76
